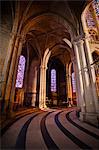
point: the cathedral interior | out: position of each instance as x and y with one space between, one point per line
49 56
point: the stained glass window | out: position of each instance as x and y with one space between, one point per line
90 20
89 16
20 73
53 80
96 7
73 82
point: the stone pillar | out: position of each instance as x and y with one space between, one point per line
14 77
8 57
40 92
7 64
94 115
67 81
85 76
92 75
70 84
34 87
89 113
10 76
42 95
79 81
44 84
26 70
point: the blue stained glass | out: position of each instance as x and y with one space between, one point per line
20 73
90 20
53 80
73 82
96 7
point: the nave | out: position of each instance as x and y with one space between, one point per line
51 129
49 56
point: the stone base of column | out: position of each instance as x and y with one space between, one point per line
33 100
10 115
42 106
92 118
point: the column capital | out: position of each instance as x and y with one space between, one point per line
87 37
79 42
77 38
22 40
13 34
80 39
67 75
84 69
17 35
43 67
73 59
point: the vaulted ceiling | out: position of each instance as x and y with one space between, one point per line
47 23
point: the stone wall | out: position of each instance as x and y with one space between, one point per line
6 22
4 41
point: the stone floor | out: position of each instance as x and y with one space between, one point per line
58 129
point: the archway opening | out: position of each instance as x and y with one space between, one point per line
56 83
19 92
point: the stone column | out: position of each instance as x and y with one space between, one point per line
85 76
11 71
70 90
42 93
26 70
90 109
80 82
92 76
41 88
67 81
7 64
44 83
77 83
14 77
8 57
69 84
42 96
34 87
